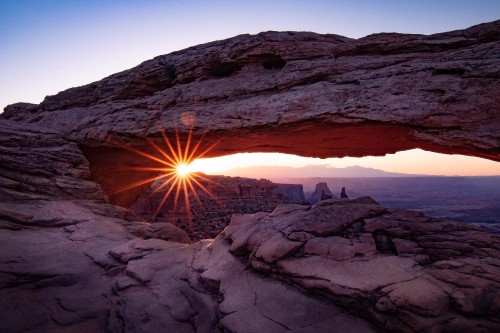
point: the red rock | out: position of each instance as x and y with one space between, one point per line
69 260
207 214
297 93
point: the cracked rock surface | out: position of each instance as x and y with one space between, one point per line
72 262
291 92
438 92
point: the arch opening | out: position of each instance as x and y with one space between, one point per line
115 166
112 163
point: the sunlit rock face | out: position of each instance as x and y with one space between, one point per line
72 261
292 92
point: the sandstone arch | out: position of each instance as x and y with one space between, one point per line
291 92
70 261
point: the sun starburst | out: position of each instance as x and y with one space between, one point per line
174 170
183 170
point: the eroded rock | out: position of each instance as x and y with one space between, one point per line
291 92
70 261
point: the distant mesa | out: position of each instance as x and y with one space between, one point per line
292 193
321 192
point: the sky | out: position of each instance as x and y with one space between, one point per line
52 45
428 163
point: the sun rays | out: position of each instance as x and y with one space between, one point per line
174 172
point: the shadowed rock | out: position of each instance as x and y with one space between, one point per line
292 92
212 202
321 192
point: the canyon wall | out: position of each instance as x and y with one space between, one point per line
212 201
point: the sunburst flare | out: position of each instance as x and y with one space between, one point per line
174 169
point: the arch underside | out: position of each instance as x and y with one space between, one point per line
111 164
291 92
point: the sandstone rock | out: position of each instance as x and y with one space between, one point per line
72 262
321 192
161 230
338 248
349 266
285 209
292 92
419 295
210 205
404 247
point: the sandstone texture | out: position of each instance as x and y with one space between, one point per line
212 202
71 260
338 96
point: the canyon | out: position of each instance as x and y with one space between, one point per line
74 258
209 205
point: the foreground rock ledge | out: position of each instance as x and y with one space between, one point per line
291 92
71 262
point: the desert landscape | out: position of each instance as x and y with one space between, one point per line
102 229
467 199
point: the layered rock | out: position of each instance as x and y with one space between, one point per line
292 193
69 261
72 262
212 201
292 92
403 270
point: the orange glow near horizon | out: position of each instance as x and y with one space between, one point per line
179 167
415 161
183 170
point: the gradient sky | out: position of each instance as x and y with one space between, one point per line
51 45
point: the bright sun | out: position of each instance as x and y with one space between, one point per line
174 169
182 169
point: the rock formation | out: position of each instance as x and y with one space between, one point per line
343 194
292 193
338 96
320 192
72 261
212 202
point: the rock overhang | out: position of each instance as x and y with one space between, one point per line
292 92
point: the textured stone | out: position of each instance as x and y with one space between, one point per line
397 288
72 262
291 92
210 205
419 295
160 230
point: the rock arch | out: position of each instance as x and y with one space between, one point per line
71 261
291 92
